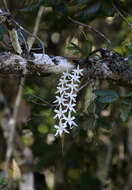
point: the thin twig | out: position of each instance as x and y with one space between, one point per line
6 7
29 33
126 13
83 86
35 117
122 16
12 127
4 13
91 28
31 40
12 121
38 97
25 42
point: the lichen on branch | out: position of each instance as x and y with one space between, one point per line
109 65
15 41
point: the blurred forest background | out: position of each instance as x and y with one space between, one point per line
97 155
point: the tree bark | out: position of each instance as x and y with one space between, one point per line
109 66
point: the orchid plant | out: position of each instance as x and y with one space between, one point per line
66 100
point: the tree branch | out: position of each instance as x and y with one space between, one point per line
92 29
109 65
31 40
15 64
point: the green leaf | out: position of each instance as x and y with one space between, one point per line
107 99
100 106
125 112
91 122
127 101
31 8
84 1
35 5
61 9
106 8
86 48
129 94
106 92
46 2
88 13
3 30
74 47
3 183
106 96
76 131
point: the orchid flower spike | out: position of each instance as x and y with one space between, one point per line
66 100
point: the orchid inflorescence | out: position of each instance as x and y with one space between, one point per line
66 100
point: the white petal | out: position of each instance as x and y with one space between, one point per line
56 127
56 133
66 131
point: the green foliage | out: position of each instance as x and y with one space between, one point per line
31 8
3 183
84 51
106 8
34 5
91 9
106 96
104 123
86 9
3 30
125 113
61 9
74 47
89 12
